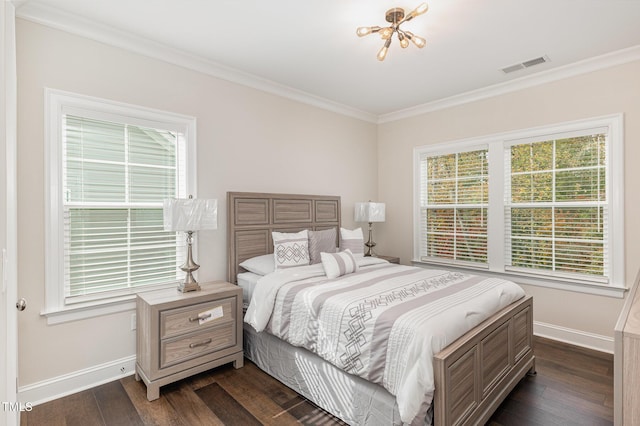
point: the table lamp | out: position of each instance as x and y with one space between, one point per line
190 215
369 212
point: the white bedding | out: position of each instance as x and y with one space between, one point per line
248 282
383 323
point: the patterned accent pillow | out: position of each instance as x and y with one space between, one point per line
290 249
321 241
337 264
352 240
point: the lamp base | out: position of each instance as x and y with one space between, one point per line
370 244
185 287
189 283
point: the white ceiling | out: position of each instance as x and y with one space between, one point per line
309 49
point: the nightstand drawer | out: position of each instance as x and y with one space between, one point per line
173 351
179 321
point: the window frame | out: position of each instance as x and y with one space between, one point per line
496 241
58 103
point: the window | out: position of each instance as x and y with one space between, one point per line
542 203
110 167
455 206
556 205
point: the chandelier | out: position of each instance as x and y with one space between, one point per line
396 17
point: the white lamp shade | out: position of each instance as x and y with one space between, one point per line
191 214
369 212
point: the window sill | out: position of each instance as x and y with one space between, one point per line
526 279
90 309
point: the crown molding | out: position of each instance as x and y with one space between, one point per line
51 17
582 67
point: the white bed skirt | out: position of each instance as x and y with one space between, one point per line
348 397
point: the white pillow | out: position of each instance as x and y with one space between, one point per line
290 249
352 240
261 265
338 264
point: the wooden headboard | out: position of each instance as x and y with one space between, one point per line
251 217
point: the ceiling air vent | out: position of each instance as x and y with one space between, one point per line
525 64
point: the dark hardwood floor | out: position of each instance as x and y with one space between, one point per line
574 386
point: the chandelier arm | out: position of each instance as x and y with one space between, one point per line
406 18
363 31
385 48
417 40
403 39
421 9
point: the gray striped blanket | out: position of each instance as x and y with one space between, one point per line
383 323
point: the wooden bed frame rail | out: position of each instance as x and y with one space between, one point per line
476 373
473 375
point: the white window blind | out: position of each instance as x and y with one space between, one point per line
454 203
115 176
556 206
542 206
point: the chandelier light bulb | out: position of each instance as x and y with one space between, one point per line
404 43
383 52
386 33
421 9
363 31
416 12
419 41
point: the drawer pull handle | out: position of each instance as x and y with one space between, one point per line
198 318
203 343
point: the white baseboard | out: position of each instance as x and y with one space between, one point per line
67 384
574 337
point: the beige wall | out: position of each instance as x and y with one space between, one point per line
247 141
253 141
614 90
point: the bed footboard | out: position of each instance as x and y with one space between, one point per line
475 373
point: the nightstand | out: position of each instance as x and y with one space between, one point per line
390 259
181 334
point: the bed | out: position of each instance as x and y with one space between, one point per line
472 375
